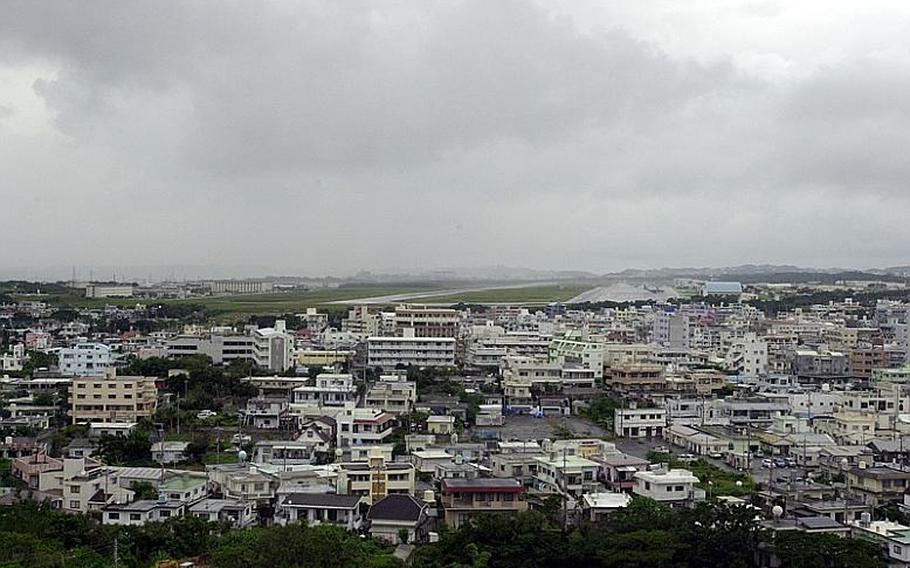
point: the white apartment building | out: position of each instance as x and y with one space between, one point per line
85 360
667 486
109 291
389 352
640 422
363 427
337 390
274 348
112 399
587 354
748 356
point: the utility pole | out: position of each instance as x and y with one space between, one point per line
116 554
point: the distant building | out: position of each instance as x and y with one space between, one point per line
239 286
109 291
426 321
722 289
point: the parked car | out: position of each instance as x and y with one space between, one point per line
687 458
767 463
240 439
716 455
661 449
203 414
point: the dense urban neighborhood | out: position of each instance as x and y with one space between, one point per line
762 424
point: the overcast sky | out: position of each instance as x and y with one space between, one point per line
329 137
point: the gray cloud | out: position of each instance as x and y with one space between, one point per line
420 135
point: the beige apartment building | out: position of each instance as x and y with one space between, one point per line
112 399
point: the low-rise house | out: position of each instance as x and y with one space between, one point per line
878 485
292 452
28 468
266 412
396 515
169 452
425 461
521 466
441 425
618 471
597 506
364 427
673 486
242 481
320 508
330 390
185 488
567 475
240 514
140 512
463 499
392 394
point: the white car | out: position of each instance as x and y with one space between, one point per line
203 414
687 458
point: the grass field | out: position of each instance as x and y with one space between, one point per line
524 295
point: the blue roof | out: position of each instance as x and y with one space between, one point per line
723 288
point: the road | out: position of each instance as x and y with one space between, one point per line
393 298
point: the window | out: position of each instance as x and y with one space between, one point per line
75 489
165 514
113 516
74 504
135 517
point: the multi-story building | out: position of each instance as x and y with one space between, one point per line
222 349
112 399
464 499
426 321
392 394
364 427
335 390
376 478
239 286
109 291
85 360
640 422
313 509
642 378
274 348
391 352
566 475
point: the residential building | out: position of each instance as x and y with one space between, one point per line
397 514
169 452
137 513
392 352
240 514
274 348
640 422
112 398
674 486
320 508
85 360
392 394
332 390
221 348
566 475
376 478
463 499
364 427
266 412
426 321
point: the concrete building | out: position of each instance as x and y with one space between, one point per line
330 390
221 348
640 422
314 509
85 360
239 286
391 352
109 291
674 486
426 321
464 499
112 399
274 348
392 394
